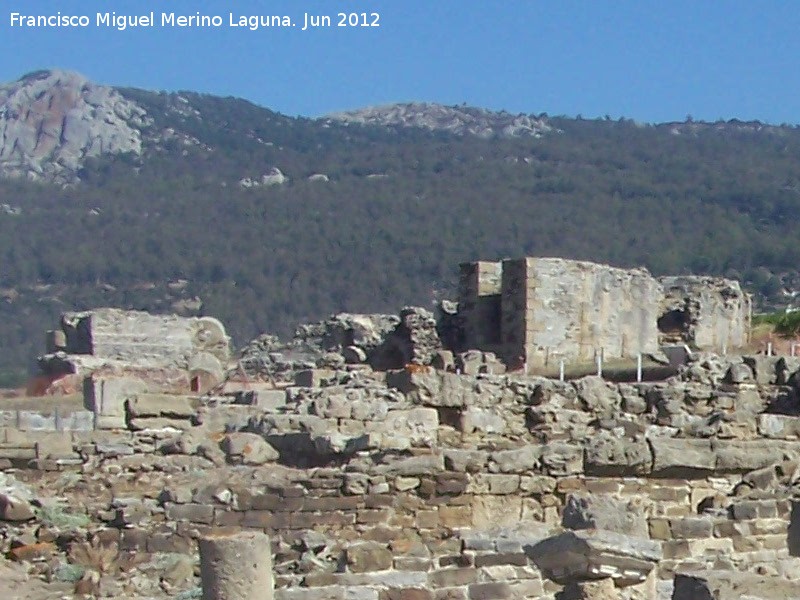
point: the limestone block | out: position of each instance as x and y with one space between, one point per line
481 420
423 384
471 461
739 373
32 420
157 423
403 429
742 456
443 360
326 592
332 406
730 585
79 420
778 426
602 589
106 396
55 445
598 396
608 455
366 408
591 511
338 443
106 422
265 399
562 458
590 554
496 511
764 368
248 449
521 460
369 556
159 405
196 513
682 454
426 464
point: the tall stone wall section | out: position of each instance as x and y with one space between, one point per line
142 339
479 291
716 314
554 309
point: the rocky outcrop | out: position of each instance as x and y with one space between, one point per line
51 121
273 177
460 120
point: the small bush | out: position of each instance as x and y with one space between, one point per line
54 515
784 324
68 573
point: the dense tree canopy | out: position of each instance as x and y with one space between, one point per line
401 209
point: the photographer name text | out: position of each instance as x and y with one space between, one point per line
250 22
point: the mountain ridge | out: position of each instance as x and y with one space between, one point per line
225 208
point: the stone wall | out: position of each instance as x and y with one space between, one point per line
540 311
479 292
142 339
176 352
711 314
554 309
425 483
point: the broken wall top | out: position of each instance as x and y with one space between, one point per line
143 339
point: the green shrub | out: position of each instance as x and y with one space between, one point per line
784 324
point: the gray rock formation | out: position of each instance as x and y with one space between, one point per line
51 121
460 120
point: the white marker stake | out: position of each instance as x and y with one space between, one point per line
639 368
561 370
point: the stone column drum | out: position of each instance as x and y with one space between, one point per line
236 567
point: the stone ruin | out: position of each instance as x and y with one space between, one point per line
708 313
539 311
370 459
190 353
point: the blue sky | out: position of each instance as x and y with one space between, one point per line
651 61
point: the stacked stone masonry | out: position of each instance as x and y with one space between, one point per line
424 483
417 456
540 311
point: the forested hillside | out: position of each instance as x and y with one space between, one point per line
174 228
